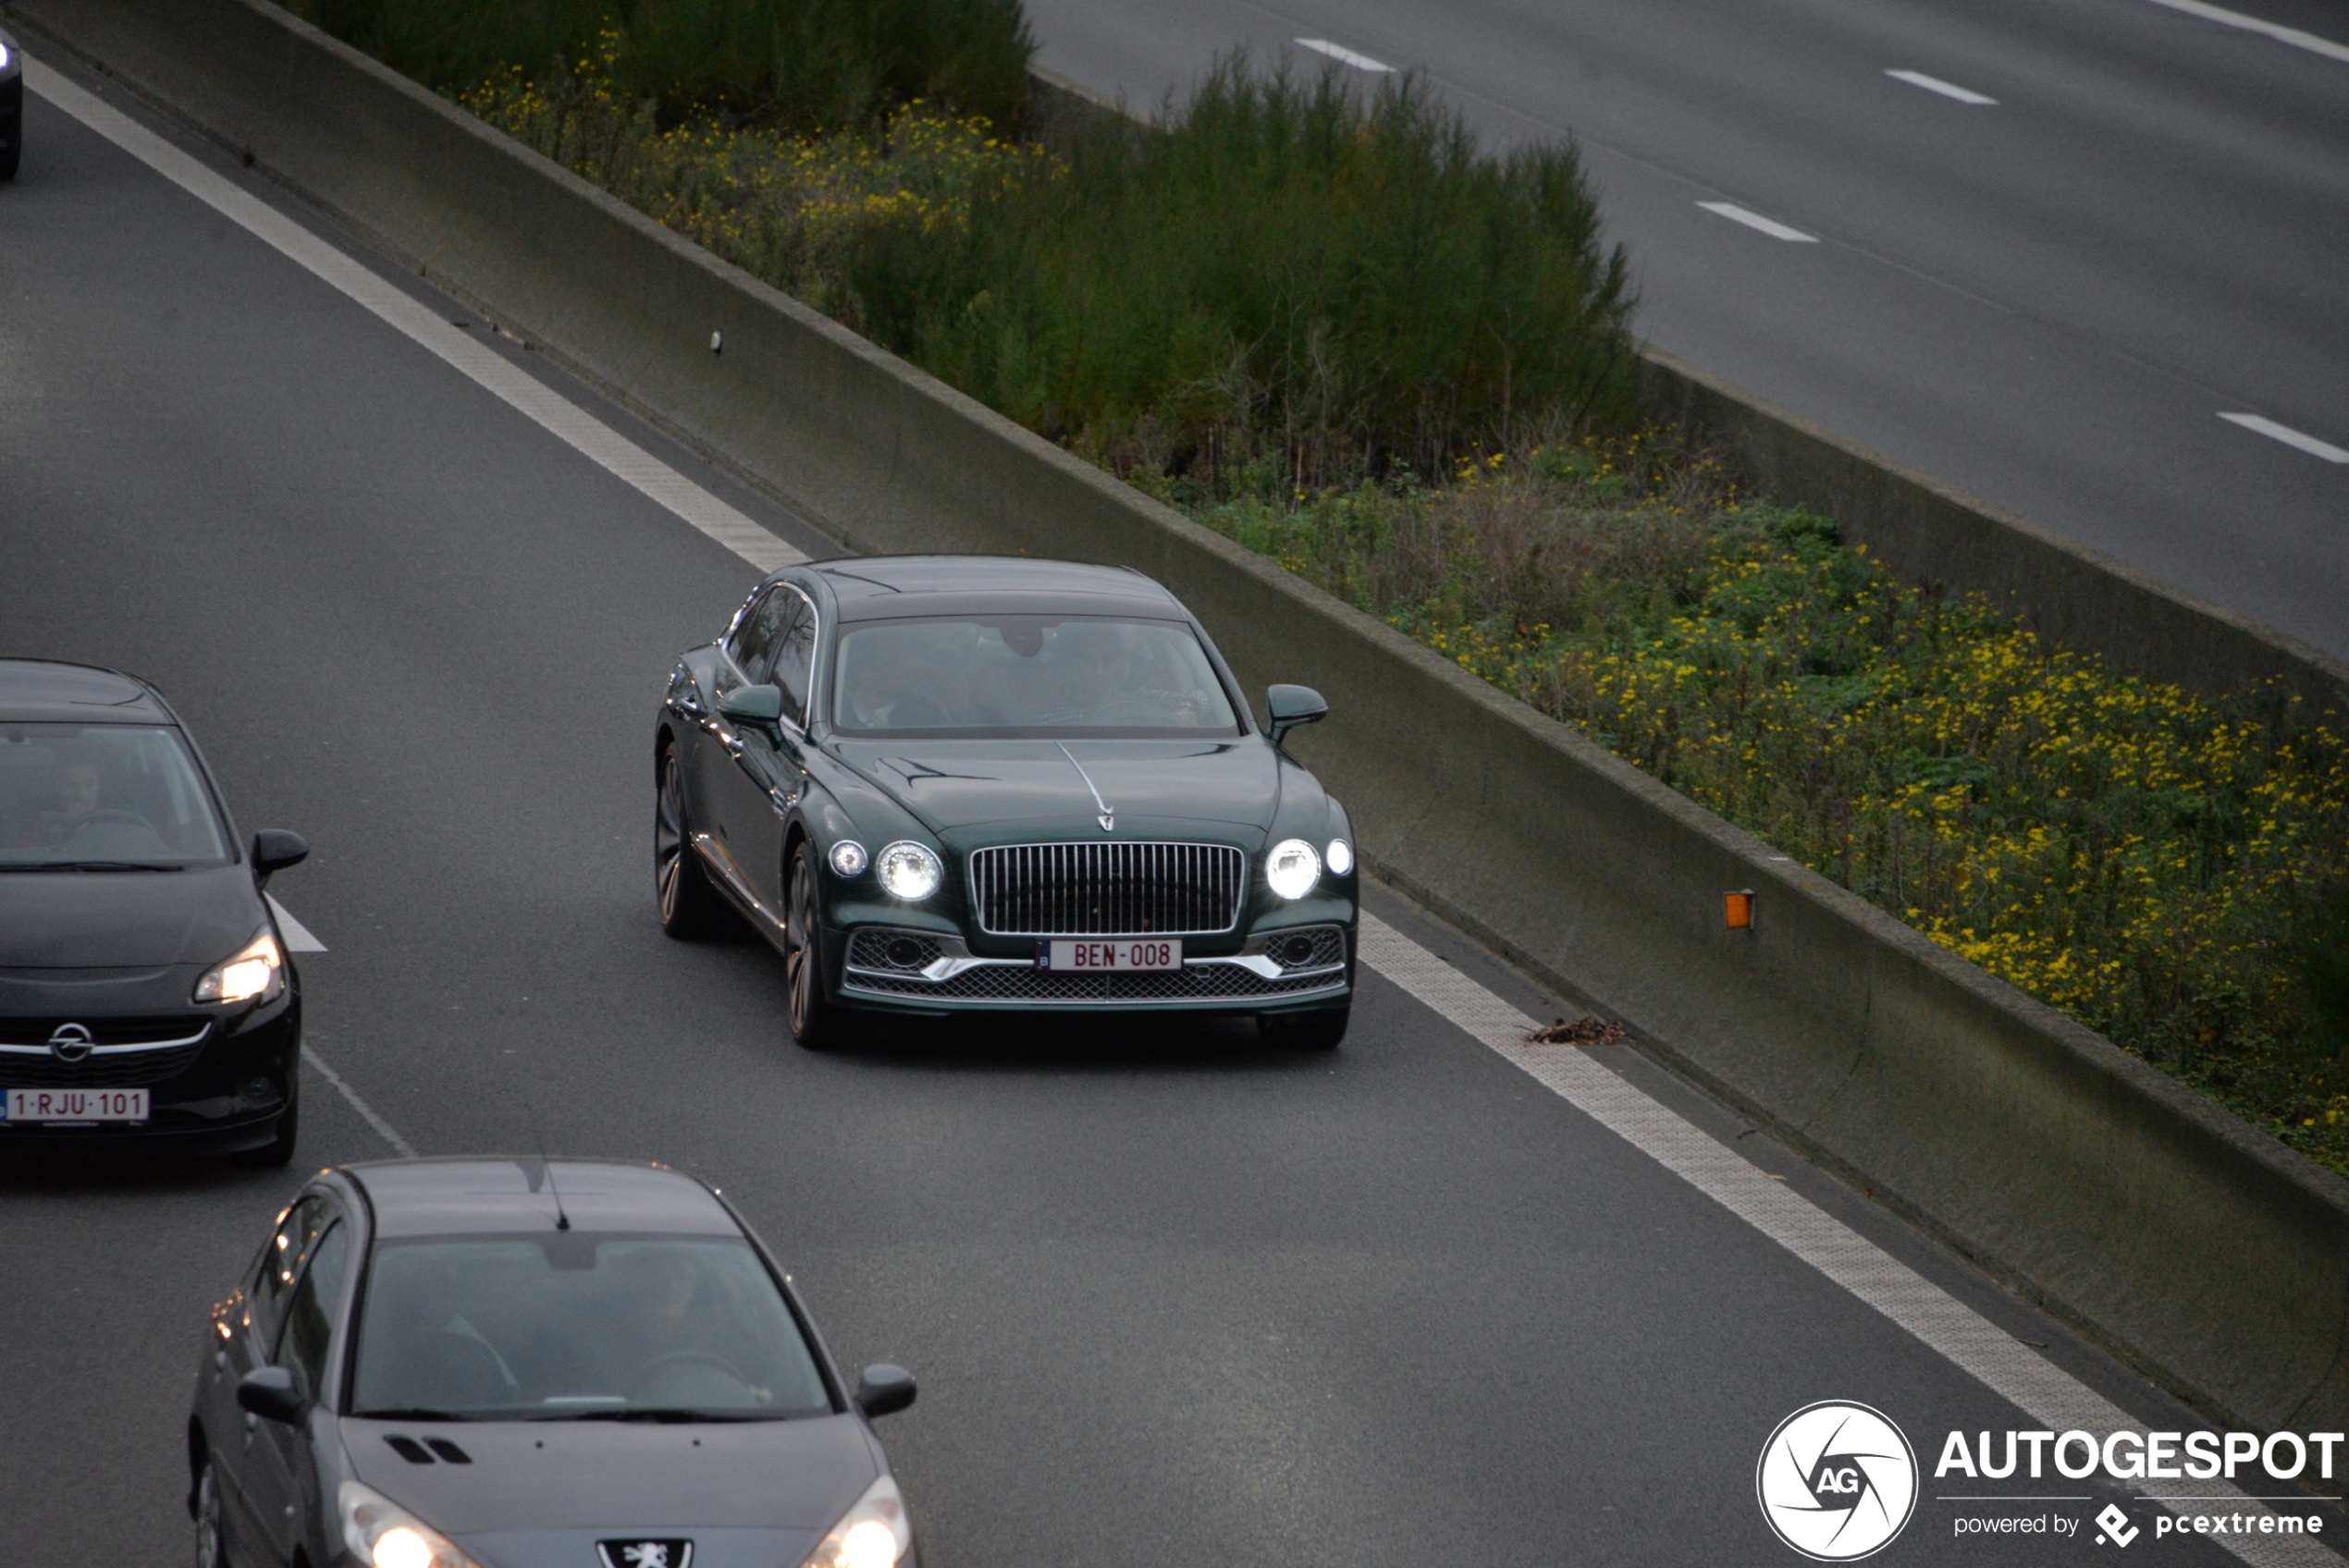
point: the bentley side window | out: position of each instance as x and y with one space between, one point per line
795 657
310 1312
753 646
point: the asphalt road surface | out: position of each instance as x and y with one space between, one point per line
1173 1298
2048 298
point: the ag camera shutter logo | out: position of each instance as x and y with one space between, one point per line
1836 1481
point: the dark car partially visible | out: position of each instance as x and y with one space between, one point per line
145 992
11 106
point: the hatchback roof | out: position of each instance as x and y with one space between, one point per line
40 691
871 576
436 1197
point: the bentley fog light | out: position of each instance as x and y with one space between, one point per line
257 969
874 1534
910 871
384 1535
848 858
1292 868
1339 857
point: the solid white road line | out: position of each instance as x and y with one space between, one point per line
2291 36
297 934
1934 84
1345 56
384 1130
1770 227
2289 437
556 414
2003 1363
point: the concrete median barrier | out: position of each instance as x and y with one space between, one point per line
2189 1241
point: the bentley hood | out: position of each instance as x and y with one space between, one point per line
544 1492
957 784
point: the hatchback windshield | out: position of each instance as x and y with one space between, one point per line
565 1325
103 794
1037 675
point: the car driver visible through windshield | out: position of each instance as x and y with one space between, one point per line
576 1325
110 794
1038 675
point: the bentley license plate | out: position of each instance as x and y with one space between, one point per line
76 1105
1125 954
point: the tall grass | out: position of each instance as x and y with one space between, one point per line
800 64
1287 273
2171 872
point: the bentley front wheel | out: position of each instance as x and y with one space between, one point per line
815 1023
690 907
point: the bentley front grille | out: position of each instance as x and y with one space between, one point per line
1113 888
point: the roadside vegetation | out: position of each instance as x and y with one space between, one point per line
1319 320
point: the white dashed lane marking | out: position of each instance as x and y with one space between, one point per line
1754 220
1946 89
2291 36
297 934
2289 437
1345 56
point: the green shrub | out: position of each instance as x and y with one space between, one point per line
797 63
1286 274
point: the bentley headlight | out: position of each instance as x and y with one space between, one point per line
1292 868
874 1534
384 1535
1339 857
910 871
257 969
848 858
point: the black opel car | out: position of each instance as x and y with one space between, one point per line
531 1363
144 990
946 785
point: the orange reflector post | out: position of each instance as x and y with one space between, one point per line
1738 910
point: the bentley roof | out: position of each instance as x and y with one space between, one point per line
37 690
874 576
432 1197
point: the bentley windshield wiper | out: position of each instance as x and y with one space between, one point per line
660 1413
413 1412
96 865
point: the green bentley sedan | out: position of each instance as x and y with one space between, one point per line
958 784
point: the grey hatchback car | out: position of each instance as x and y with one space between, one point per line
530 1364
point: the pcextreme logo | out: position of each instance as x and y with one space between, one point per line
1836 1481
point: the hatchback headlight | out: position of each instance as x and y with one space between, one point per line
874 1534
910 871
257 969
1292 868
384 1535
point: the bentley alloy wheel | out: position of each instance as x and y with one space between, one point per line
689 905
815 1023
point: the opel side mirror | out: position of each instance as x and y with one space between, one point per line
272 1393
274 850
884 1390
753 704
1293 706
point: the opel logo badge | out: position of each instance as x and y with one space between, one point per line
70 1042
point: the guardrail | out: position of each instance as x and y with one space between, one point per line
2192 1243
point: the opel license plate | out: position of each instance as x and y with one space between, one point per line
76 1105
1124 955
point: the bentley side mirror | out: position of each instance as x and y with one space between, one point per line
753 704
274 850
272 1393
884 1390
1293 706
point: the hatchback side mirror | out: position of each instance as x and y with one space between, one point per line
272 1393
274 850
756 705
884 1390
1293 706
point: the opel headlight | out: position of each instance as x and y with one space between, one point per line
874 1534
848 858
257 969
1292 868
384 1535
1339 857
910 871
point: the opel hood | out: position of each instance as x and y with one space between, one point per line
125 919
